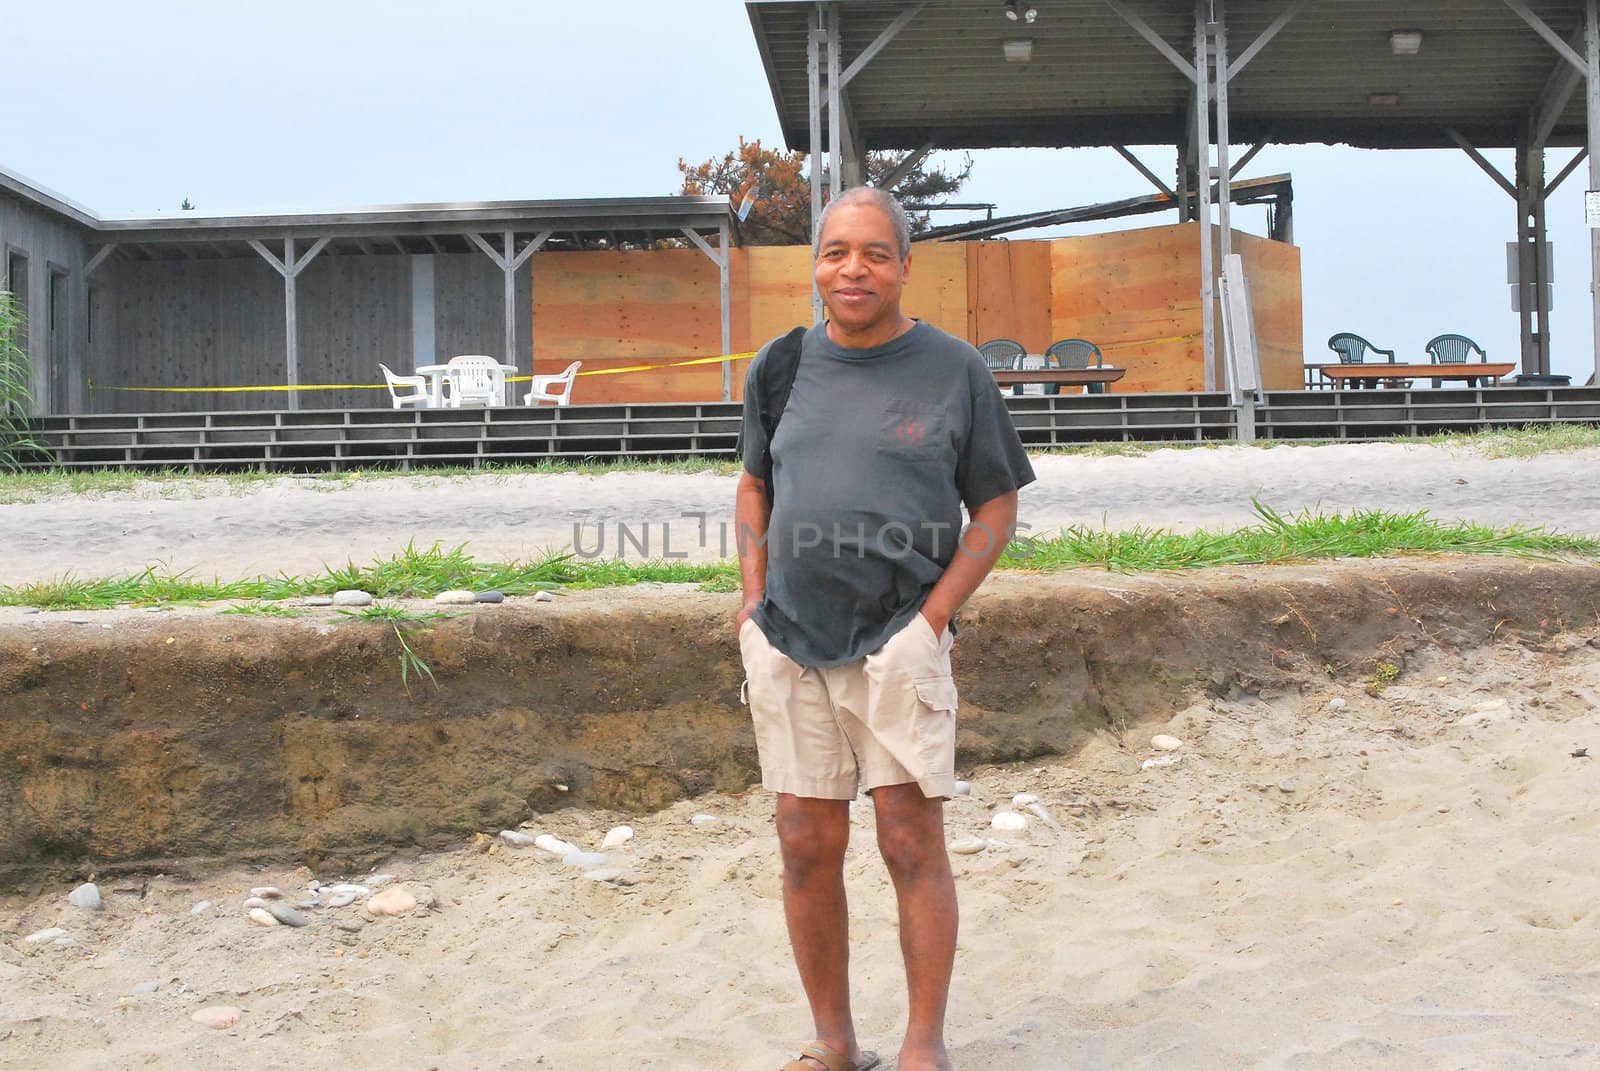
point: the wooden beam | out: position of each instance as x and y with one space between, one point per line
1478 158
1266 37
900 22
530 249
267 255
1138 165
1550 187
906 166
1142 28
1552 38
1556 94
99 258
1247 157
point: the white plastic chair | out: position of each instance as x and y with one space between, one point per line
556 388
475 378
418 384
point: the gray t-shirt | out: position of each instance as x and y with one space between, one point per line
874 456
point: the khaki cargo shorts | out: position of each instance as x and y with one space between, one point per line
886 719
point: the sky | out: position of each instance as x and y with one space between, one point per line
298 106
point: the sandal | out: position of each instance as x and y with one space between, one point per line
830 1059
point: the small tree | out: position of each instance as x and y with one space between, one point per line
778 184
16 399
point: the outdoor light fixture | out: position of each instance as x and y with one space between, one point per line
1018 51
1406 42
1021 11
1383 100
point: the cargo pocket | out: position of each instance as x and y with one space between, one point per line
935 726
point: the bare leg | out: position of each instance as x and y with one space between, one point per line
813 835
911 838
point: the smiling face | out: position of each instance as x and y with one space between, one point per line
860 275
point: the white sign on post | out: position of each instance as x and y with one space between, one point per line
1591 208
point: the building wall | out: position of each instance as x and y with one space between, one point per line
220 323
212 323
56 354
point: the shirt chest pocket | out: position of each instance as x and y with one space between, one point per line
915 431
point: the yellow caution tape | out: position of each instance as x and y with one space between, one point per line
722 359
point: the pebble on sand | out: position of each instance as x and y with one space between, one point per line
319 600
41 936
217 1016
267 892
1022 799
516 839
493 598
86 896
1009 821
584 860
144 987
704 820
1165 743
351 597
1163 760
263 918
287 915
201 908
343 899
554 845
968 845
379 879
395 901
618 835
544 596
455 597
963 788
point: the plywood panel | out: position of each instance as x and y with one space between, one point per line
1008 293
937 288
1273 269
1136 295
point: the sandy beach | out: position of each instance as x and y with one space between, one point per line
1320 876
298 525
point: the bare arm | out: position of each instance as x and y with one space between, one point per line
750 518
981 546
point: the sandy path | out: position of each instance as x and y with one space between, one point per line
1404 882
297 526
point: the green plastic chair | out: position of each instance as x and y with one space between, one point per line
1353 349
1003 355
1074 353
1454 349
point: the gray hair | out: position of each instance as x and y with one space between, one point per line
879 199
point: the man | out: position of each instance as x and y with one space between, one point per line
851 578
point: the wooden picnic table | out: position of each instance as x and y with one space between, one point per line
1076 377
1368 375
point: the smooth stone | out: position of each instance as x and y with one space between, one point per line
64 942
554 845
585 860
1022 799
144 987
350 597
544 596
347 887
455 597
201 908
1165 743
256 901
1164 760
516 839
307 905
77 620
394 901
379 879
263 918
968 845
490 597
287 915
267 892
351 925
611 875
1337 704
619 835
41 936
1287 786
217 1016
320 600
30 610
963 788
344 899
107 627
704 820
86 896
1009 822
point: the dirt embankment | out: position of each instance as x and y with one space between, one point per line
197 737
